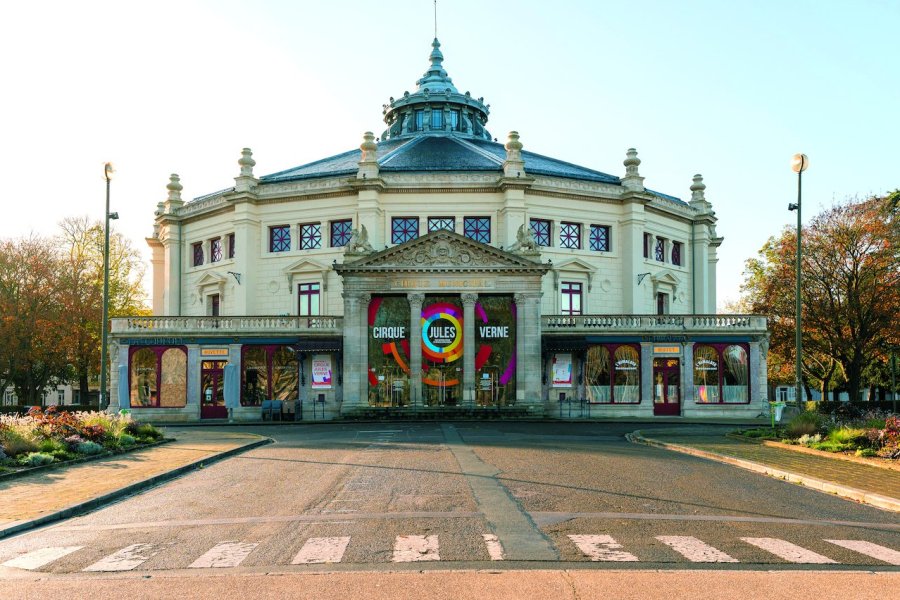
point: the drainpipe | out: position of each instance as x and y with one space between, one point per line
180 266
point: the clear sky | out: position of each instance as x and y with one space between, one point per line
727 89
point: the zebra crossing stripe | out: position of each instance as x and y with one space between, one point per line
414 548
322 550
602 548
694 550
788 551
224 554
494 547
892 557
38 558
126 559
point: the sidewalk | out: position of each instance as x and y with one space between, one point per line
49 495
868 484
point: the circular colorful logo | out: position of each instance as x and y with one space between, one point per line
442 333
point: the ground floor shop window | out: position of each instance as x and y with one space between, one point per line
269 373
158 377
616 381
721 374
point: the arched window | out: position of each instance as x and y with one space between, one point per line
158 377
597 379
627 368
721 374
269 373
613 381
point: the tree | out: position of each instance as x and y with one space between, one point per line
81 244
32 348
850 293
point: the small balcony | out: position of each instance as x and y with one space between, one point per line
653 324
181 326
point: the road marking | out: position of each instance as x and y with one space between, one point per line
126 559
602 548
38 558
694 550
788 551
224 554
322 550
415 548
494 547
889 556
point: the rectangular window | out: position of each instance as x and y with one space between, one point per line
308 295
311 236
676 253
437 119
280 238
659 252
478 229
571 298
419 123
540 228
212 305
648 243
454 120
230 245
441 223
600 238
198 253
404 229
215 250
570 235
662 303
340 232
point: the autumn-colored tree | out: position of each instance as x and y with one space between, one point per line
850 293
32 352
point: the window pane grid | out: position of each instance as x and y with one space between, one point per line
340 233
308 294
310 236
540 228
478 229
215 250
404 229
441 223
570 235
599 238
660 250
198 254
280 238
571 298
676 253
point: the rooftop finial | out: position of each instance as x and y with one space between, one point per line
435 19
632 181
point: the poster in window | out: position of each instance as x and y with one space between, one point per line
562 370
321 372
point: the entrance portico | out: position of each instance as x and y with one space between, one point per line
441 321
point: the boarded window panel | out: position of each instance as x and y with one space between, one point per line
173 378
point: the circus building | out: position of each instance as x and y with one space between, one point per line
433 271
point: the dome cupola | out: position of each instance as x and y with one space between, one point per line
436 107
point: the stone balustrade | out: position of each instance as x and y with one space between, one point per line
653 323
226 325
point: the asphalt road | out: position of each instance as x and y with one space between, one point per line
483 496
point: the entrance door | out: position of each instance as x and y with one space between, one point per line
212 392
666 386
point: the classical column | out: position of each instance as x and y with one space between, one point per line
528 351
687 378
520 347
415 347
362 349
469 301
351 352
646 378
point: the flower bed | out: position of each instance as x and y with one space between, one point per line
53 436
871 435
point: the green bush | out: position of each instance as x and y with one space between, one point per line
36 459
867 452
831 446
15 444
148 431
51 445
89 448
849 436
126 440
805 423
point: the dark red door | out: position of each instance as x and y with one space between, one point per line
212 392
666 386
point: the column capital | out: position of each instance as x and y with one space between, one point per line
468 299
415 298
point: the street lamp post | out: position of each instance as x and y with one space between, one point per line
799 163
108 173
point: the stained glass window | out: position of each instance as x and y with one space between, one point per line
570 235
215 250
599 238
478 229
280 238
540 228
439 223
340 232
404 229
310 236
659 252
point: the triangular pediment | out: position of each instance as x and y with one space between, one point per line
665 278
443 250
575 265
211 279
305 265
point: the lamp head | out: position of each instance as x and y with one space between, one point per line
108 171
799 163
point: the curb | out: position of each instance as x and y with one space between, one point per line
872 499
108 498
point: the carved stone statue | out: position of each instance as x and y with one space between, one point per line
525 242
359 242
